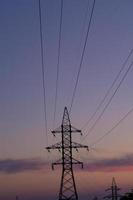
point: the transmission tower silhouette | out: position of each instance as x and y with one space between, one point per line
17 198
68 189
114 191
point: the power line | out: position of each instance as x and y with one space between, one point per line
108 91
80 40
114 127
108 103
82 56
58 63
42 64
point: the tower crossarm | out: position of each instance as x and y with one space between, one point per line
76 145
58 130
58 162
54 146
73 130
108 189
76 162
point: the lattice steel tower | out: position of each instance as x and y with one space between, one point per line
67 187
114 191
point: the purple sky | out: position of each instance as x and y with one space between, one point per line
21 98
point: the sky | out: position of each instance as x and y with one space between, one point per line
24 163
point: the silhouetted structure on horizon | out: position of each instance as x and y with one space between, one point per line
67 186
114 191
127 196
17 198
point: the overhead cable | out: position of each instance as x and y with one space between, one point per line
113 128
81 38
109 90
58 62
43 74
82 56
108 103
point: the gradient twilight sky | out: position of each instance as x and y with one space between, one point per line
24 168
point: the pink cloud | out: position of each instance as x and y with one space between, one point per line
121 164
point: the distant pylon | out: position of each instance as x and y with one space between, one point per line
17 198
114 191
67 187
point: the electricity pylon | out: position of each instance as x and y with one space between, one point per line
17 198
67 187
114 191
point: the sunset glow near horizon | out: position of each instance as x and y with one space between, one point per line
24 163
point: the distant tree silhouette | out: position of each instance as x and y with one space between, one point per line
127 196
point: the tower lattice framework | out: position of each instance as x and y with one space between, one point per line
67 186
114 191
